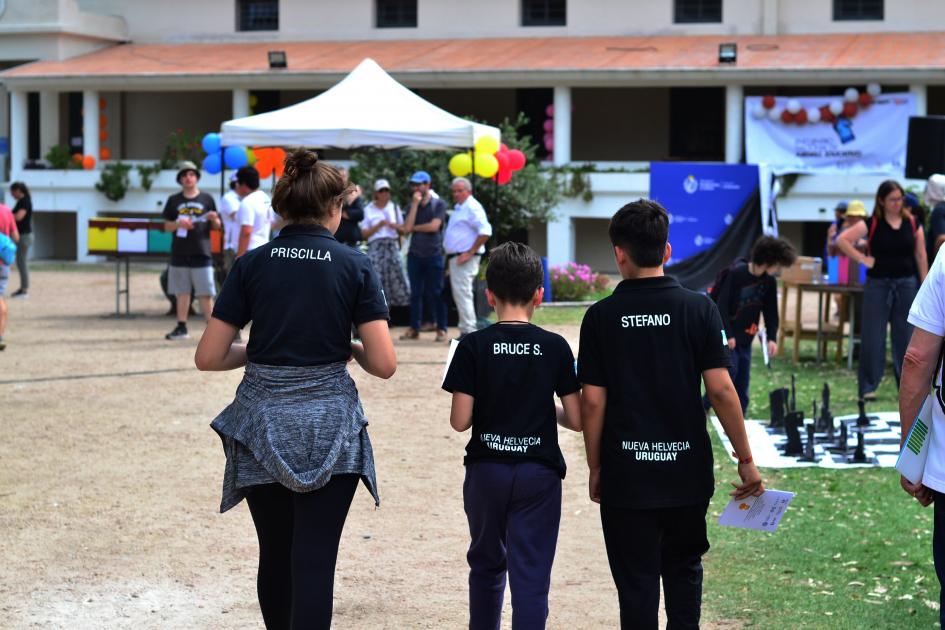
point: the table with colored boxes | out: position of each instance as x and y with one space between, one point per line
122 239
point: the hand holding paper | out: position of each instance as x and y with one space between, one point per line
763 513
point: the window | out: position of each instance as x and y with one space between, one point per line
396 13
857 10
257 15
698 11
544 13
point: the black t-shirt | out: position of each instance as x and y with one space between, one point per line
24 226
936 229
302 291
428 244
513 372
649 344
192 250
894 250
743 296
349 232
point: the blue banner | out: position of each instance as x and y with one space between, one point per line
702 200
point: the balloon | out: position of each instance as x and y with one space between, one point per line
253 100
88 162
211 163
850 95
801 117
102 103
486 165
487 145
277 157
774 114
516 159
102 135
460 165
873 89
865 99
263 159
549 125
549 144
793 105
836 107
503 177
102 120
758 111
550 111
813 115
502 147
250 157
104 154
768 101
77 159
211 143
786 116
265 170
234 157
850 109
826 115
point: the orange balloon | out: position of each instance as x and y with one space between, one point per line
102 103
104 154
77 158
88 162
102 121
102 135
264 161
265 170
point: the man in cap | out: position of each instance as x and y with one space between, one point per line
835 228
190 215
425 218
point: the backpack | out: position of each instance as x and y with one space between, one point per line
874 223
715 289
7 249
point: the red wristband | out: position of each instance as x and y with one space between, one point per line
747 460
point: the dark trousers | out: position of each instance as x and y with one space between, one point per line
884 300
938 551
426 287
513 512
741 376
646 545
298 545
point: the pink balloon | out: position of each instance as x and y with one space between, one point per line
502 147
516 159
550 111
549 125
549 144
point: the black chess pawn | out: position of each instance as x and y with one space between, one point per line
793 404
777 399
859 455
792 423
862 420
809 445
842 442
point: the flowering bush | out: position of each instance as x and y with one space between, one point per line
573 282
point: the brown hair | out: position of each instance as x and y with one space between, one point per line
309 188
882 192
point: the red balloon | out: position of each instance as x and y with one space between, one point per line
516 159
866 99
787 116
502 157
504 176
548 125
826 115
801 117
850 110
768 101
503 148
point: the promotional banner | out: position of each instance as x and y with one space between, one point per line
854 134
702 199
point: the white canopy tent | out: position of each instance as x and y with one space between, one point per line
366 108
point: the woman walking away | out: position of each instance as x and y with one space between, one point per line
895 256
23 213
381 226
295 436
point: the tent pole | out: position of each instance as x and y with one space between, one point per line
222 172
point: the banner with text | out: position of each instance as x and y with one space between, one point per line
859 140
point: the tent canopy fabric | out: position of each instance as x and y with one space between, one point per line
366 108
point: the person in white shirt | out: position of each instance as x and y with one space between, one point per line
255 213
464 241
229 207
921 366
381 227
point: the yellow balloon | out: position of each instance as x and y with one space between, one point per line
461 165
486 165
253 100
487 145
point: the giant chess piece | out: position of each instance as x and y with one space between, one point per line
825 420
859 455
809 445
862 420
793 404
792 424
842 442
777 400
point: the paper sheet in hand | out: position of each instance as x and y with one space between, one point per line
449 358
915 450
763 513
763 338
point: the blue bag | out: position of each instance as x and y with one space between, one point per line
7 249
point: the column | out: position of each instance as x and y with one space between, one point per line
921 99
560 233
90 144
48 121
769 17
4 131
240 103
19 130
734 123
562 130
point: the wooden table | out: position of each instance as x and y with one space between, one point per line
824 291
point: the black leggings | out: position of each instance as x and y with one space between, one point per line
298 545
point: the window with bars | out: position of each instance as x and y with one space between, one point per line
697 11
857 10
396 13
257 15
544 13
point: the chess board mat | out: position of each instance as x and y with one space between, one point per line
881 443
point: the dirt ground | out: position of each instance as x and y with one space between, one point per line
110 483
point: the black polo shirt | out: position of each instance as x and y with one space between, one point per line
513 372
192 249
303 290
648 344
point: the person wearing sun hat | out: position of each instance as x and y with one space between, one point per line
381 227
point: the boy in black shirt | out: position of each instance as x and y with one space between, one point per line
643 353
747 291
503 380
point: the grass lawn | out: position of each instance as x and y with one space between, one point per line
854 551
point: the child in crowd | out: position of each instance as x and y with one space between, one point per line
644 351
749 290
503 380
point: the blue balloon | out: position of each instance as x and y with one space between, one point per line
211 143
211 163
235 157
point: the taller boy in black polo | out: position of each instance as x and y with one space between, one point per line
504 380
644 352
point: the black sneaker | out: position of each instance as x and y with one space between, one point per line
3 344
20 293
179 332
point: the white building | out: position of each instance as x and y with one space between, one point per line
631 82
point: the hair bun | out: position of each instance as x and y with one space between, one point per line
301 160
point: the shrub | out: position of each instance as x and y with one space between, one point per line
574 282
